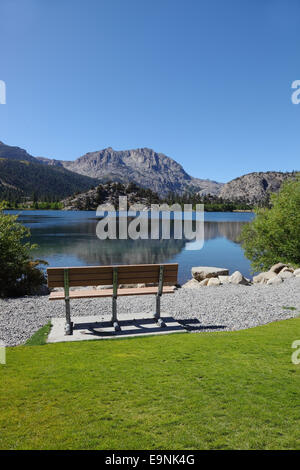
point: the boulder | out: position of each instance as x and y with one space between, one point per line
238 278
263 278
278 267
274 281
202 272
214 281
287 269
204 282
191 284
286 275
297 272
223 279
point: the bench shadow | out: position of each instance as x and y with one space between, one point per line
138 326
194 325
133 326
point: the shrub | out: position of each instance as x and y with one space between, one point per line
19 273
274 235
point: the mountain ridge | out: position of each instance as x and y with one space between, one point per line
142 166
22 173
254 187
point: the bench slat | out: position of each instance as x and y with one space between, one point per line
95 282
103 275
133 275
124 267
81 294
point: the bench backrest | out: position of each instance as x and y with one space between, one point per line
103 275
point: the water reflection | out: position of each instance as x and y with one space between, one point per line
69 239
230 230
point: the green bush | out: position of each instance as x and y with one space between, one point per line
274 235
19 273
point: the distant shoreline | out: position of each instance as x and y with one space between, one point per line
241 210
94 210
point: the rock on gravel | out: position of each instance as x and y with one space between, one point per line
285 274
274 281
191 284
232 307
238 278
214 281
264 277
278 267
203 272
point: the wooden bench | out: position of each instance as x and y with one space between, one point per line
158 274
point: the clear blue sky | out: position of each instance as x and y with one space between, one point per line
207 82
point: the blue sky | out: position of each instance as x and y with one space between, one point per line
207 82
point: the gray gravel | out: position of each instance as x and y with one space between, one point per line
227 307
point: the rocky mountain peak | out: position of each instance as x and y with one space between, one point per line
143 166
254 187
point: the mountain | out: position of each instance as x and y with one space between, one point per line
254 187
143 166
22 175
15 153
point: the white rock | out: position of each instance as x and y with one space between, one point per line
287 269
238 278
278 267
286 275
263 278
297 272
191 284
223 279
203 272
214 281
204 282
274 281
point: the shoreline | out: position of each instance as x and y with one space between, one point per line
227 308
94 210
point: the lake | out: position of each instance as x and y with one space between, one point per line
69 239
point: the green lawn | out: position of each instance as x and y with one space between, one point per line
185 391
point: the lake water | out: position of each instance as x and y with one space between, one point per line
69 239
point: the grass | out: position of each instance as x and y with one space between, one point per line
236 390
40 337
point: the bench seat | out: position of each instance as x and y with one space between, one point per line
92 293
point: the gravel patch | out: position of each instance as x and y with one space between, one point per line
222 308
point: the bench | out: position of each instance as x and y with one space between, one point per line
83 276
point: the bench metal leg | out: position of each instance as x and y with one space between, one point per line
69 324
157 318
114 318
